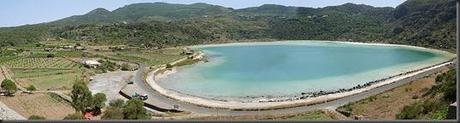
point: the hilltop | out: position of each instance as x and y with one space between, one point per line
427 23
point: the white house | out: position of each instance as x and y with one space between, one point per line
91 63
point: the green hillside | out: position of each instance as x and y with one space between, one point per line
428 23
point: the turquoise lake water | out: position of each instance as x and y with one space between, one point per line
292 67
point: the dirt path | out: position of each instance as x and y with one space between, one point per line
2 76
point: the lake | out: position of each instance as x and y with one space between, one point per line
292 67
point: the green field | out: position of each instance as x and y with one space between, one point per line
44 73
44 79
150 57
32 63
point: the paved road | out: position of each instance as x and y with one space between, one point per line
159 99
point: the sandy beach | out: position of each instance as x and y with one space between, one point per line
269 103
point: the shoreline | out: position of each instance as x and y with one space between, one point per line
267 103
298 42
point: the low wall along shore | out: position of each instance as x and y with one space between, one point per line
264 104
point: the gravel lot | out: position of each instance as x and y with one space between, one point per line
110 83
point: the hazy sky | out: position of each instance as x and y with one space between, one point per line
20 12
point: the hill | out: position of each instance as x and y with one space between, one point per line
428 23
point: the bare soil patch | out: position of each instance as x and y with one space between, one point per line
38 104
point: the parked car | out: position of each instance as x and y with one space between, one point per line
135 95
144 97
130 82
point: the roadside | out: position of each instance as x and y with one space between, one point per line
387 104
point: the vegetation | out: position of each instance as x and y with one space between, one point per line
83 101
125 67
98 102
9 86
114 110
437 108
315 115
74 116
48 79
81 97
134 109
107 65
31 88
36 117
159 25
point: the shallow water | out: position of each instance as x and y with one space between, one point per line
289 68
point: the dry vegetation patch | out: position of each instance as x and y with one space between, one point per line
386 105
38 104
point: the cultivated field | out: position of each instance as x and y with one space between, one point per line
150 57
33 63
38 104
44 79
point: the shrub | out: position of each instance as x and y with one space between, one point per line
36 117
125 67
74 116
134 109
115 110
31 88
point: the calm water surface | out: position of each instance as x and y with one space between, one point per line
277 69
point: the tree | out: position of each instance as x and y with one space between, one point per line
74 116
81 97
117 103
115 110
98 102
31 88
9 86
134 109
36 117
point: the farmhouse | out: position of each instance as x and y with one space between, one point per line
91 63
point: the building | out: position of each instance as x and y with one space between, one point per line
91 63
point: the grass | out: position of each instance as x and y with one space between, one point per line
315 115
33 63
44 79
150 57
311 115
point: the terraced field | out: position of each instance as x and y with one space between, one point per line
38 104
149 57
44 73
33 63
44 79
